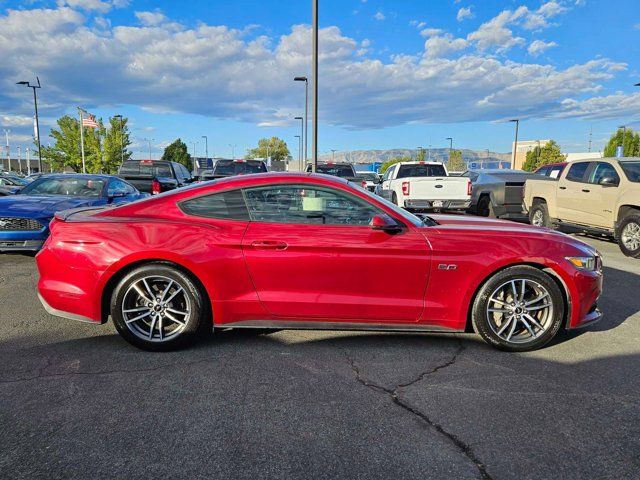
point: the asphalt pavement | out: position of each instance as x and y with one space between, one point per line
77 402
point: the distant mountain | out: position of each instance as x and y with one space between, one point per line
481 157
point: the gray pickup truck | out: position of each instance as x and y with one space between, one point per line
155 176
337 169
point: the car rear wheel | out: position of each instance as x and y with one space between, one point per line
539 216
157 307
629 237
518 309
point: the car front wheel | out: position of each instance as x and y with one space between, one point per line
629 237
518 309
157 307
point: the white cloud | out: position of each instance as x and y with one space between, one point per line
151 19
15 120
441 46
430 32
618 105
539 46
495 34
417 24
220 72
102 6
379 16
464 13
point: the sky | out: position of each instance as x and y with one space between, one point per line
393 74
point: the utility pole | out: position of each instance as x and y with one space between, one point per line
314 55
6 134
299 137
35 104
515 144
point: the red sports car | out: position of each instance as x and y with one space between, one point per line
274 251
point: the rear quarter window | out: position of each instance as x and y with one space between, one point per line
224 205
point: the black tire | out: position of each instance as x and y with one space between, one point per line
627 244
539 215
394 199
176 335
485 207
550 319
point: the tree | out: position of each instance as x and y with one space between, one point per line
631 143
272 147
420 155
178 152
456 163
385 166
116 141
539 156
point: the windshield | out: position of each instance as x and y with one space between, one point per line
368 175
336 170
70 187
149 169
631 170
231 167
11 180
418 170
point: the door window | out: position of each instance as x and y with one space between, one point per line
388 173
603 170
577 171
307 205
118 186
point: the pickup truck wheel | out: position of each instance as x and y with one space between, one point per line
485 207
629 237
539 216
518 309
394 199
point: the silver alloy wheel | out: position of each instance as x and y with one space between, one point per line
537 219
630 236
156 308
520 311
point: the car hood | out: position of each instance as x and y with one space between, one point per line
41 205
503 228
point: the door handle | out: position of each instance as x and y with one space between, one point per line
586 190
269 245
562 188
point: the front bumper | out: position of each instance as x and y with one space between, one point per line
20 245
437 204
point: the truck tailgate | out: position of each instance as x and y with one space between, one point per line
438 188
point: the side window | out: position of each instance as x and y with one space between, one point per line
224 205
577 171
178 171
543 171
307 205
116 185
387 174
603 170
185 172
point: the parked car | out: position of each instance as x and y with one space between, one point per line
552 170
336 169
498 193
292 250
598 196
424 186
9 184
229 168
155 176
34 176
368 180
25 216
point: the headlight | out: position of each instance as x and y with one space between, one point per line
583 263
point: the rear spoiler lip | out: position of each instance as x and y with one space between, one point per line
64 215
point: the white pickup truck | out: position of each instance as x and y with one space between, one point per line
425 186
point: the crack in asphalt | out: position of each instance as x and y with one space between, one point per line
394 394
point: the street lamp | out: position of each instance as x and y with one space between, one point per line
35 103
299 137
302 135
306 112
624 131
314 64
121 139
515 144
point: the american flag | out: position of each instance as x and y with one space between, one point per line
89 121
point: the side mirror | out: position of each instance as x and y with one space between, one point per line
385 223
609 182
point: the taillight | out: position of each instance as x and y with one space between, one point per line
155 187
364 184
469 187
406 188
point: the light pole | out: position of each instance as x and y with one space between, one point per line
35 104
299 137
19 159
121 139
450 146
6 135
515 143
233 151
314 55
306 112
624 131
333 155
27 154
302 138
206 147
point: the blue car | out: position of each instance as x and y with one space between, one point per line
25 216
10 184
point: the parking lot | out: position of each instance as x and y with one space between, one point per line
76 401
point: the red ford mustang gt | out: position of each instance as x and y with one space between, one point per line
275 251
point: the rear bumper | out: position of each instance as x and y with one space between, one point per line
61 313
437 204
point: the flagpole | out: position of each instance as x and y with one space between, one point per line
84 168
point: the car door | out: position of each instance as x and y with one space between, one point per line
312 255
385 186
571 193
599 203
